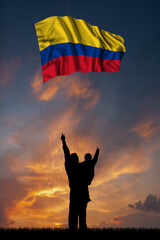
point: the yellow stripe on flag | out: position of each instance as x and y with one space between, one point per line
55 30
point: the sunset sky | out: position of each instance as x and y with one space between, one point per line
117 112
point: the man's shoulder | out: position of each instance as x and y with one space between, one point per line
82 164
85 164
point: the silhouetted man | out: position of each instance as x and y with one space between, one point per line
80 176
79 194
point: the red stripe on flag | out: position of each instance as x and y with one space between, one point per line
66 65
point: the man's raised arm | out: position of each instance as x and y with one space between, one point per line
65 148
95 158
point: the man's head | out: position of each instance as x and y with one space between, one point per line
74 158
88 157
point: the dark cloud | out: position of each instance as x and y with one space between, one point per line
150 204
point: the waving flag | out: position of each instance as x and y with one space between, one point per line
69 45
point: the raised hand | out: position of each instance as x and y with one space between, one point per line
63 137
97 150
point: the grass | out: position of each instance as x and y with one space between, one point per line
49 232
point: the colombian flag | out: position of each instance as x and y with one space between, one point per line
69 45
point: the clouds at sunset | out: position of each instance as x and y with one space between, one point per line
146 129
34 158
69 87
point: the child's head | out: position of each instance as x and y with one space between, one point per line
88 157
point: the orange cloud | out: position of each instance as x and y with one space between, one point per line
128 160
68 87
83 90
43 92
37 83
145 129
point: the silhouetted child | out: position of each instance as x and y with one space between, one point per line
88 166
